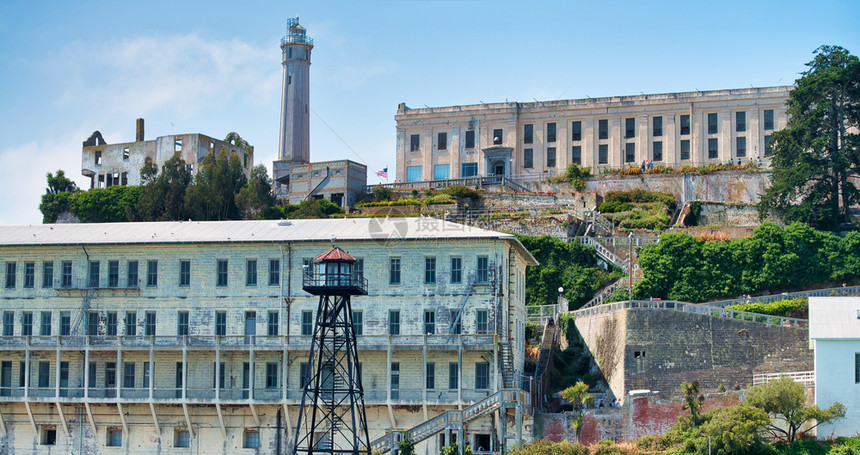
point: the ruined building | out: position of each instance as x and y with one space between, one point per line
193 337
296 178
534 140
120 164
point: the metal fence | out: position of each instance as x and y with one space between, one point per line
694 308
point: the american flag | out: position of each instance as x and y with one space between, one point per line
382 173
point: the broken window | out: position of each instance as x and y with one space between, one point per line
639 354
125 154
98 158
177 144
124 179
101 181
497 136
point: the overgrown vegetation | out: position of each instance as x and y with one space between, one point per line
638 209
704 169
682 267
789 308
571 266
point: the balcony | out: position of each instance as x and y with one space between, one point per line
335 283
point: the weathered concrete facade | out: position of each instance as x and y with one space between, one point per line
658 349
120 164
340 182
543 137
112 333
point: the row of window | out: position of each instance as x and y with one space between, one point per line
602 128
456 270
94 274
455 322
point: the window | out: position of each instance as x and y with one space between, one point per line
528 134
469 170
221 377
358 322
429 322
274 272
48 274
358 268
149 323
857 368
740 121
441 172
630 152
576 155
395 380
603 154
271 375
712 123
49 436
481 323
629 127
550 157
252 439
251 272
93 280
131 278
685 124
657 126
128 375
741 146
482 375
307 323
22 373
91 375
221 273
8 323
430 376
470 139
497 136
221 323
550 132
303 374
11 271
177 145
65 323
182 323
767 148
430 270
26 323
394 322
113 274
111 323
146 374
272 328
768 119
414 142
685 149
181 438
456 270
453 375
131 323
152 273
712 148
528 158
29 274
455 322
413 173
125 154
603 129
483 270
394 271
98 161
44 374
576 131
179 379
657 151
93 323
45 326
442 141
114 437
184 273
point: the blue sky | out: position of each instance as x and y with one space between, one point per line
70 68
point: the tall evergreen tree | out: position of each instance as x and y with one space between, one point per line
818 152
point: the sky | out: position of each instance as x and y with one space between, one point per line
211 67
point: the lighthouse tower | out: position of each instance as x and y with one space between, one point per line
294 141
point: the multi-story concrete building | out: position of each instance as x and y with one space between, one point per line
340 182
193 336
120 164
544 137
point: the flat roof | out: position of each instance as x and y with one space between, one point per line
380 230
835 318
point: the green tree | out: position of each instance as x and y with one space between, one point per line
163 196
60 183
212 195
114 204
56 199
256 196
577 175
579 397
732 430
693 401
818 152
784 400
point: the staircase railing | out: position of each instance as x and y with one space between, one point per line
83 313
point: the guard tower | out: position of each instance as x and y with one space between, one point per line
294 141
332 419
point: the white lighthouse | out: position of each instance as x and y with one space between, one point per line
294 141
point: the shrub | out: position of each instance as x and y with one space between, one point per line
577 175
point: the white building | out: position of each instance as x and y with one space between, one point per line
191 337
541 138
834 332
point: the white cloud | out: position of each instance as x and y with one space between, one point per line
351 77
